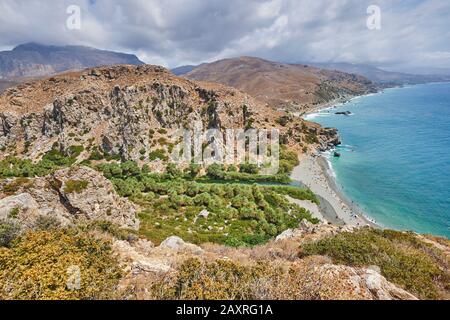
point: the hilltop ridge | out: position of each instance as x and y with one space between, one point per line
289 86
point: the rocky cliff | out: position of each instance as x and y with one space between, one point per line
129 111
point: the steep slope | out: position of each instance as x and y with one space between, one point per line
130 111
298 87
36 60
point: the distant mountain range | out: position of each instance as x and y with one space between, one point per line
281 84
183 70
374 74
382 76
296 87
36 60
6 84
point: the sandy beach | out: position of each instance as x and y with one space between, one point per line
314 173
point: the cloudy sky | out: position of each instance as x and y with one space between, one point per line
413 33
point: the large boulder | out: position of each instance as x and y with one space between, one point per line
177 244
343 282
93 196
67 196
139 258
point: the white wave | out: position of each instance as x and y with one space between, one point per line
330 169
313 116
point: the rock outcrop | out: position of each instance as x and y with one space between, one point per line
343 282
67 196
137 259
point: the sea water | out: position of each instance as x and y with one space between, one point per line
395 156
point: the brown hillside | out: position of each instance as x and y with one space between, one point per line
122 111
298 87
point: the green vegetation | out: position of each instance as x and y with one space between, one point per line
283 120
38 266
402 257
15 167
75 186
250 172
158 154
14 213
15 185
311 138
51 161
216 172
96 155
238 214
9 230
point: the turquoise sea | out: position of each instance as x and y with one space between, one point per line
395 159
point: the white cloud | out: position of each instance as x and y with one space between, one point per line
174 32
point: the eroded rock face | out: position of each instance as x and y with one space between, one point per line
68 195
328 139
122 111
357 283
115 109
98 200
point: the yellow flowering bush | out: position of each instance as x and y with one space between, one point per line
41 265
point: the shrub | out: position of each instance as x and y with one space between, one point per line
173 171
46 223
75 186
96 155
9 230
36 266
219 280
75 151
249 168
215 171
158 154
283 120
57 158
194 170
14 213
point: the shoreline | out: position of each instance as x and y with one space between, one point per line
313 172
316 173
324 106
